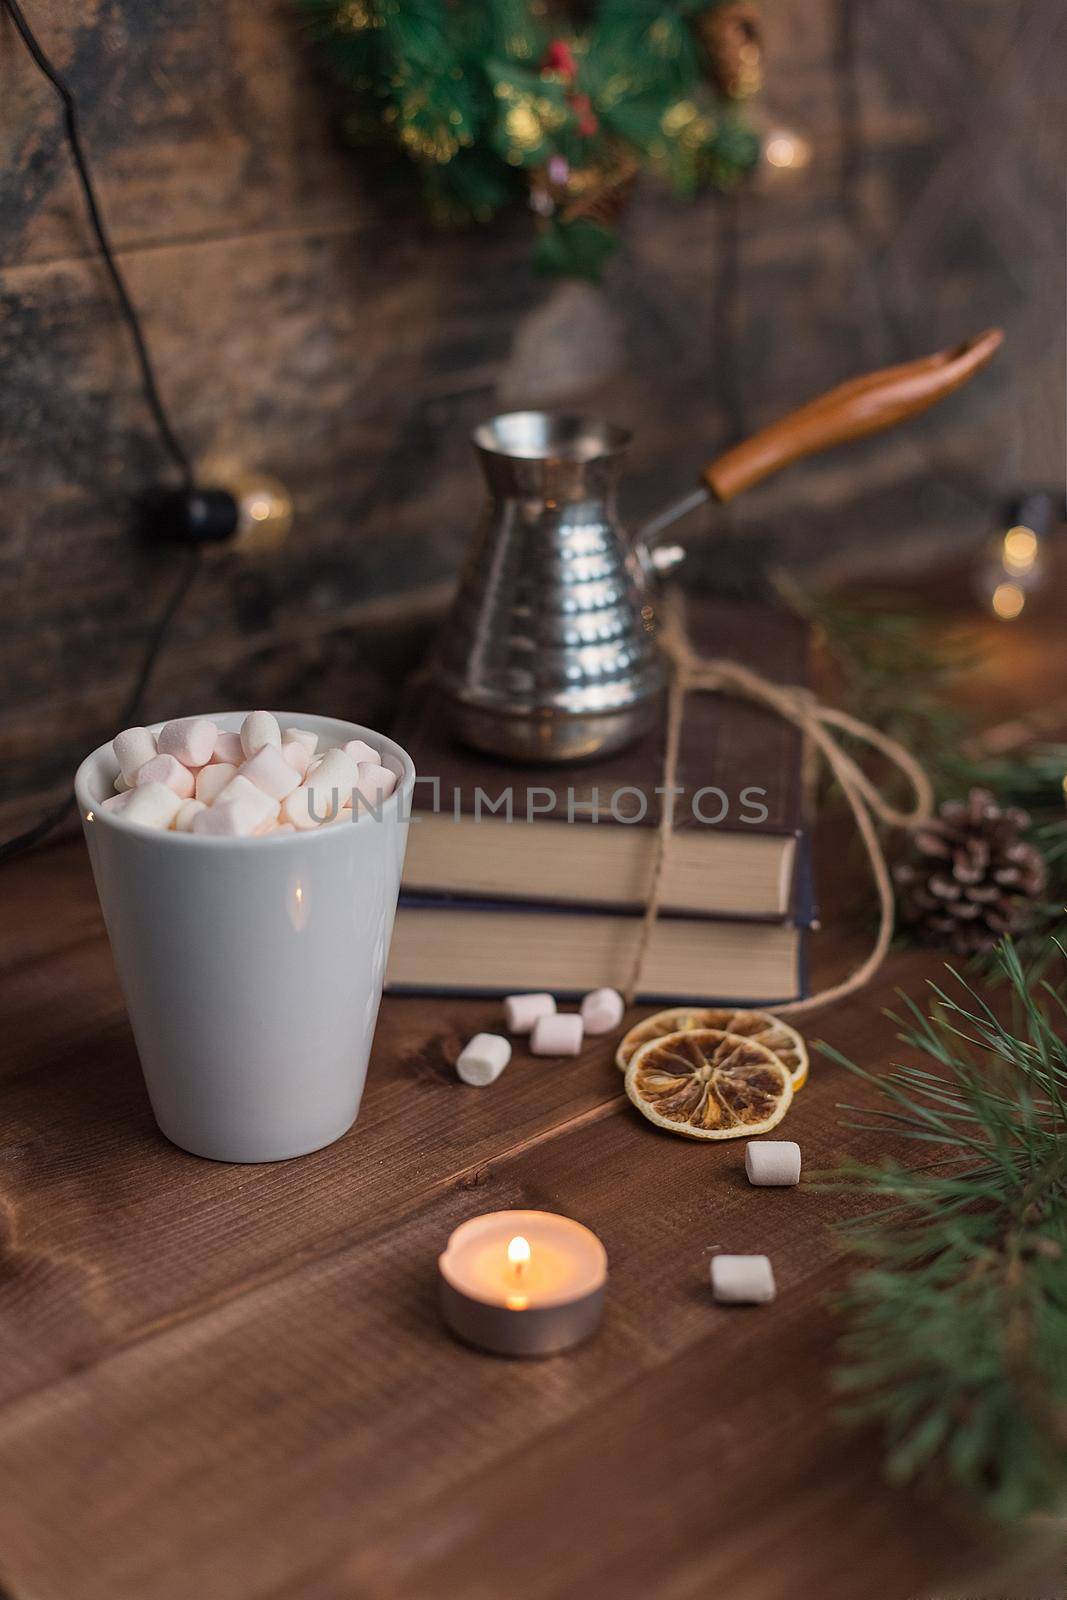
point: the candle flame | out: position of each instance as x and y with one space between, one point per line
518 1251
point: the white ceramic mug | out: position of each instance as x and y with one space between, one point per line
252 968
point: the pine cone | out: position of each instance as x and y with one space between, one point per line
975 878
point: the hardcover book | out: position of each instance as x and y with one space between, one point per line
463 947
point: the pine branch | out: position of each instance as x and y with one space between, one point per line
957 1320
491 100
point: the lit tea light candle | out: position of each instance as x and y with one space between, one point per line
523 1283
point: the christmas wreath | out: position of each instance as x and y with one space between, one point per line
498 101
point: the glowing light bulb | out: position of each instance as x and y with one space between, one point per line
264 504
785 149
264 511
1008 601
1020 550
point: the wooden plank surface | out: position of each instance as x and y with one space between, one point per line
234 1381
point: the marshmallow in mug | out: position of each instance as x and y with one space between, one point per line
198 778
190 740
374 783
133 747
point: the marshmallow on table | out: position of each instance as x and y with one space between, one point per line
188 811
601 1011
557 1034
742 1280
259 728
168 770
521 1011
374 783
269 771
211 780
772 1161
362 753
132 748
190 740
228 749
153 805
483 1059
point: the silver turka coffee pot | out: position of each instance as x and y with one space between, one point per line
549 651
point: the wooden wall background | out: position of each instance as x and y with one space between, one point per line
303 323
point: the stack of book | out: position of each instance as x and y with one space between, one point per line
521 879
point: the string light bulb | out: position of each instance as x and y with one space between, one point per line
264 510
1013 566
1007 601
1020 550
247 509
785 149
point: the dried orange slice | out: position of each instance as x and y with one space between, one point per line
707 1084
766 1029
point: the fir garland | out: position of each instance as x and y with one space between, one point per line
957 1338
498 101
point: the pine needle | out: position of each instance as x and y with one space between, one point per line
956 1344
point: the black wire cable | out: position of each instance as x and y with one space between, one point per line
154 399
73 132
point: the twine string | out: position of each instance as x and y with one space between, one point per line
797 705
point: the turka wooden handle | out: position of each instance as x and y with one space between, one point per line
851 411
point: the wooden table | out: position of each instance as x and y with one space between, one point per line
228 1382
